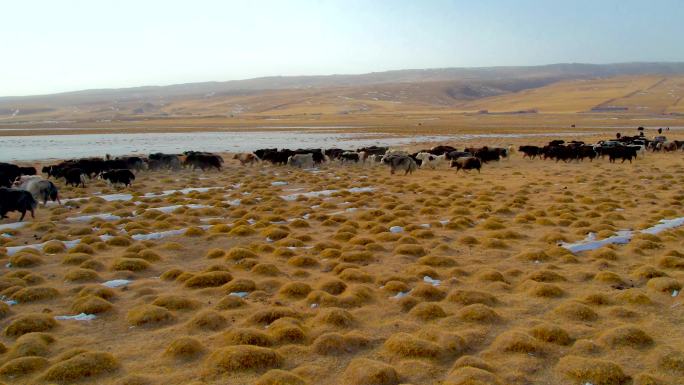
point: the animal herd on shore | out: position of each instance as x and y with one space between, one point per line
21 188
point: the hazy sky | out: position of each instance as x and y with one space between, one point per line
61 45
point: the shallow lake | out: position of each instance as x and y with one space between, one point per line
42 147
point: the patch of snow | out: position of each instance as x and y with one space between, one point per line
77 317
158 235
621 237
13 226
279 183
241 294
396 229
116 283
88 218
431 281
170 209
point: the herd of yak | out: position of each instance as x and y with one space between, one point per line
21 188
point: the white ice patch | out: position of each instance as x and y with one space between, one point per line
664 224
158 235
88 218
128 197
240 294
5 235
13 226
396 229
315 194
279 183
77 317
116 283
590 242
621 237
431 281
234 202
425 225
400 294
170 209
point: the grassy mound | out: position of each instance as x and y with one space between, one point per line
242 358
336 343
576 311
426 311
148 315
478 313
598 372
408 346
626 336
208 320
184 348
248 336
517 342
28 323
90 304
470 297
81 275
130 264
279 377
209 279
22 366
84 366
33 294
176 302
362 371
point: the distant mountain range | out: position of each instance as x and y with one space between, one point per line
428 87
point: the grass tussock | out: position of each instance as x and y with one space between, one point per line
33 294
148 315
209 279
280 377
470 297
427 311
241 358
478 313
176 302
208 320
626 336
337 344
84 366
551 334
239 253
576 311
363 371
184 348
29 323
21 367
130 264
468 375
597 372
517 343
407 346
267 316
295 289
230 302
91 304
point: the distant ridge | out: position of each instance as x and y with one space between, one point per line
556 71
554 87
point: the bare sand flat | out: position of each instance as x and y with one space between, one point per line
348 275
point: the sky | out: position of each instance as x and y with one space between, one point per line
54 46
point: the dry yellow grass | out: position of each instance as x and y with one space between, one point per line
487 297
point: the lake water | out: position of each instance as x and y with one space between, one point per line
44 147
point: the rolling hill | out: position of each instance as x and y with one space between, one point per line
565 88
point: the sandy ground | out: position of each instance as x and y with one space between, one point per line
432 278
